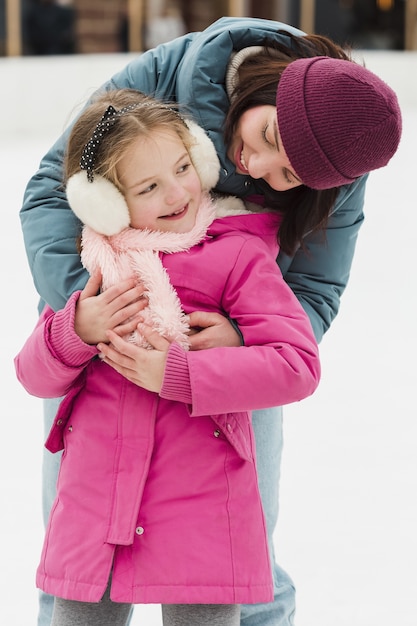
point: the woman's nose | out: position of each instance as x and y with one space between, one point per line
257 166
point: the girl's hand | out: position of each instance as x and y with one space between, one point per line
211 330
118 309
141 366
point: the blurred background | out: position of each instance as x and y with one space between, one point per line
42 27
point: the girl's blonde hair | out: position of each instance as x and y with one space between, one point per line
143 117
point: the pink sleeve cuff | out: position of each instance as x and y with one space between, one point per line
176 384
63 340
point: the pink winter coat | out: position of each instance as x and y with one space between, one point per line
162 489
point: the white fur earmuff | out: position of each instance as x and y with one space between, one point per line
100 205
204 157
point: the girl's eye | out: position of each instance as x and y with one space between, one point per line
287 177
147 189
183 168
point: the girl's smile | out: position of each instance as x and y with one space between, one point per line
176 214
161 186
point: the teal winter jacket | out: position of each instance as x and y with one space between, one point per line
191 70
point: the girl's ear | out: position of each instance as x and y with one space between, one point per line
98 204
204 156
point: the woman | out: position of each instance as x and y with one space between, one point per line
343 126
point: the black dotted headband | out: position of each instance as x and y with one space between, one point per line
110 116
88 157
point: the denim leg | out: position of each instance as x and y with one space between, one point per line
269 440
50 468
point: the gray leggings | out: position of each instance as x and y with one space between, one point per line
108 613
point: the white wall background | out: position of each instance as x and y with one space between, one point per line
347 531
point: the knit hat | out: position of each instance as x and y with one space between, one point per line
337 120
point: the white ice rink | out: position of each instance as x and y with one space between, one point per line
348 520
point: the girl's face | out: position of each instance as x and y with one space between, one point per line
257 150
161 187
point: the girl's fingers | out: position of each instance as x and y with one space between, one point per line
92 286
153 337
129 313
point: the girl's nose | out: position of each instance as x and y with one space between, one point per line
174 193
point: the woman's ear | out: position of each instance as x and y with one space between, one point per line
98 204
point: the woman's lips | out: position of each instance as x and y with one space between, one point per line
240 161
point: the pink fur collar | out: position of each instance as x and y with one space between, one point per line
134 252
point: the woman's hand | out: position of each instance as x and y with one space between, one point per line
141 366
118 309
211 330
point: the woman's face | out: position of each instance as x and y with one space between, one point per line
161 187
256 149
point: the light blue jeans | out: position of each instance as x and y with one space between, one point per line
268 433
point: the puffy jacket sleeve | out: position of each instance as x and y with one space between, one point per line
318 274
317 277
53 356
50 229
279 362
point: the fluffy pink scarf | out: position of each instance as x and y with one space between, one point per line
134 252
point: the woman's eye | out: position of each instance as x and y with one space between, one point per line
264 137
290 178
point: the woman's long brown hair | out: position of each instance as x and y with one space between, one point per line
305 210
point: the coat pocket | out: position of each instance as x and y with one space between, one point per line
237 428
55 440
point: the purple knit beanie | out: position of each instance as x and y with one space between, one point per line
337 120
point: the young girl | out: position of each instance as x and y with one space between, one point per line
157 498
